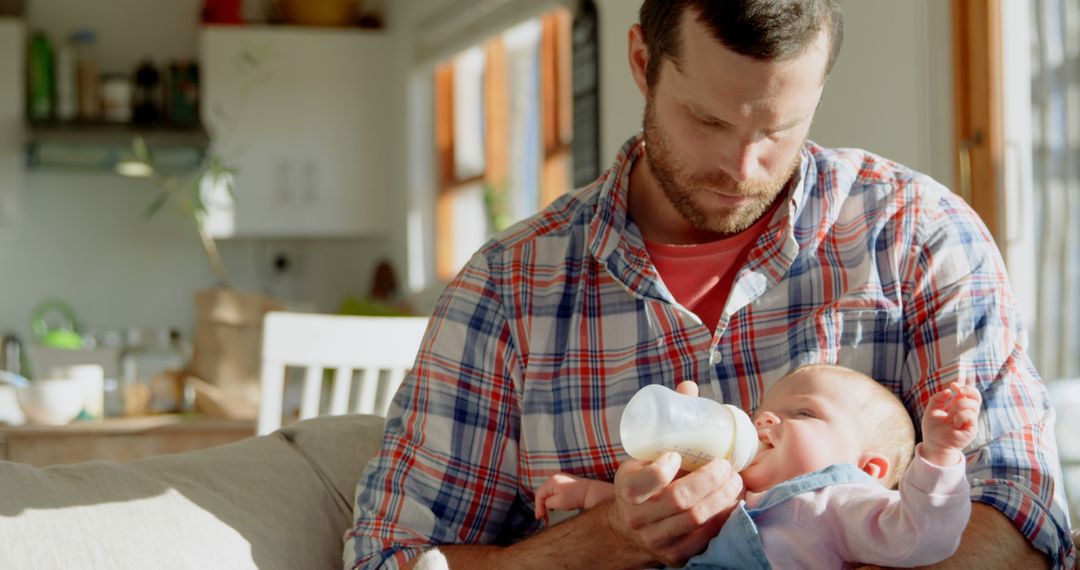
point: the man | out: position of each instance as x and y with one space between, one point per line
722 248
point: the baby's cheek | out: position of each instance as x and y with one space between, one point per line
757 477
807 459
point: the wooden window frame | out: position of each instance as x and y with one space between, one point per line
556 120
979 109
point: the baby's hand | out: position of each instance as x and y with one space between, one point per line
950 423
560 492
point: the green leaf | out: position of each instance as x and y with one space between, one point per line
157 204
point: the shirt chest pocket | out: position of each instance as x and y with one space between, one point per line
870 340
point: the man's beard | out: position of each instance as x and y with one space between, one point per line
685 193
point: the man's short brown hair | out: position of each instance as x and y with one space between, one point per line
761 29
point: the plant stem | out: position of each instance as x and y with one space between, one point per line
208 243
215 258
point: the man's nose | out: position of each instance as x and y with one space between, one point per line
739 158
766 419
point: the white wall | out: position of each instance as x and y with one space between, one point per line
621 104
127 30
891 88
1021 240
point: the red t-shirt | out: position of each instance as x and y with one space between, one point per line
700 276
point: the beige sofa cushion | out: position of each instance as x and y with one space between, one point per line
278 501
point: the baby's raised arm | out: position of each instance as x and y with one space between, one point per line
569 492
949 423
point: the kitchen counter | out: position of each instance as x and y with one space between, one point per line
118 439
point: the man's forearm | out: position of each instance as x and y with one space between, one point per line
991 541
585 541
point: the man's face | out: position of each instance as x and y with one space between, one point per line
807 421
723 131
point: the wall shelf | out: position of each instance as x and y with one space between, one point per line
98 146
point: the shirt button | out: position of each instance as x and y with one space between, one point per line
714 357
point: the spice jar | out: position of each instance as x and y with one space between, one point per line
116 98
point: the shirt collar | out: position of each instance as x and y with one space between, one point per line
618 244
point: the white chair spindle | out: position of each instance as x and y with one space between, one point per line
270 400
309 400
394 379
339 397
368 384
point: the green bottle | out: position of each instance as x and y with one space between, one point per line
40 78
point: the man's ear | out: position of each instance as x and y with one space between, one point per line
638 54
875 465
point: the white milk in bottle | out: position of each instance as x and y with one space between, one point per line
658 419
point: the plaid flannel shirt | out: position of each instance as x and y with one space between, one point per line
536 346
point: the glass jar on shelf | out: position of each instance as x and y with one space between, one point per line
151 371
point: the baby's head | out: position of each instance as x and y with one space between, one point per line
821 415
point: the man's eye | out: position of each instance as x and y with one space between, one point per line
804 414
705 122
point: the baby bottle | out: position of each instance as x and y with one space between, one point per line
658 419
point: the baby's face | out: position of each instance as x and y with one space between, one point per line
807 421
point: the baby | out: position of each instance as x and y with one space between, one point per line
834 443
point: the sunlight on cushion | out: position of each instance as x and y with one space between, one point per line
167 530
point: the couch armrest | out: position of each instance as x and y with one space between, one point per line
339 447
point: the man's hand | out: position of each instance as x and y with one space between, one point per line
654 518
950 423
667 518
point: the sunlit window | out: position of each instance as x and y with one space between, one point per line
503 127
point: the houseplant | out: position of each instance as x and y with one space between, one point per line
228 329
187 192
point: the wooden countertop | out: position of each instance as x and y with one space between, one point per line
118 439
166 422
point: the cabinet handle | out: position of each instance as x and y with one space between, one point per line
283 182
311 182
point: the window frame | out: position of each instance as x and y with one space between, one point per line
556 124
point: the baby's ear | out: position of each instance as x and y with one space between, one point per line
875 465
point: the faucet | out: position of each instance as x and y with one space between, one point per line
12 359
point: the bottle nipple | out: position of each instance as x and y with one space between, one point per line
658 419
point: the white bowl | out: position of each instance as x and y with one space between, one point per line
53 402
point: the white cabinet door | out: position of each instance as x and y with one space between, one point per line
303 115
12 153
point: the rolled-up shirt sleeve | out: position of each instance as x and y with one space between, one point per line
447 471
963 326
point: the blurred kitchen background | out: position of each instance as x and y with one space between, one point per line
335 133
372 145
